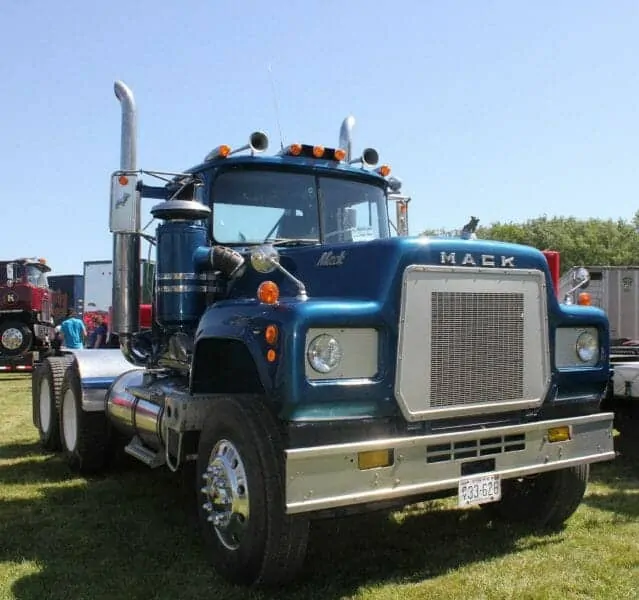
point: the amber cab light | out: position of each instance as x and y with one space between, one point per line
339 154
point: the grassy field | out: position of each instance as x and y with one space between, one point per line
132 534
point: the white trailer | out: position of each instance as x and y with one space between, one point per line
98 284
615 290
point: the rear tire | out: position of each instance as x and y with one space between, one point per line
84 435
46 383
546 500
240 483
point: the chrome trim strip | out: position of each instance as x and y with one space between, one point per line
328 477
182 276
185 288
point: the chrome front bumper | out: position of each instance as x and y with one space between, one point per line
324 477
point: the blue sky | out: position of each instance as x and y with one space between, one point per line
504 110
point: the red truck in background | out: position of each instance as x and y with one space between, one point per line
26 319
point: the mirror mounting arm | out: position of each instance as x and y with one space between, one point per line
301 288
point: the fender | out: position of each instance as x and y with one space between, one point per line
240 324
98 369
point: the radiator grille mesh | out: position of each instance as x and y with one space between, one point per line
477 348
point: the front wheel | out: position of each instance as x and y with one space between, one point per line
241 487
546 500
15 338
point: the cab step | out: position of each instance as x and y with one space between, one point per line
137 449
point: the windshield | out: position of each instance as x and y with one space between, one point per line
20 273
251 206
36 277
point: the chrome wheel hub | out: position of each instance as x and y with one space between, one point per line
12 338
226 492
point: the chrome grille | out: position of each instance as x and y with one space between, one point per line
472 341
477 347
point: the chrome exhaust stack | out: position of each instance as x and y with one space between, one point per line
346 136
126 245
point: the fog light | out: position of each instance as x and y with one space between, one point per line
559 434
375 458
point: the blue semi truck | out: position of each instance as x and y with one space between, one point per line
311 364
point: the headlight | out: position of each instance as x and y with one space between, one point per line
324 353
587 347
576 347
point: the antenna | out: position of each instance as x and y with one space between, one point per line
277 110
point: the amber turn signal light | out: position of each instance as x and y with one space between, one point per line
268 292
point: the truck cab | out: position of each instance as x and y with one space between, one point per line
313 363
25 313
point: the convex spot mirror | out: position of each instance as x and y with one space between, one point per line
265 258
581 277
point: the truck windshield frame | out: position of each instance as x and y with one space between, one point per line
255 204
24 274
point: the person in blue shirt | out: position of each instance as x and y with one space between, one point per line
73 331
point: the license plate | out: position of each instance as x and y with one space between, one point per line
479 489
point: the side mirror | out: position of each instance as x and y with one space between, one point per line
10 273
125 204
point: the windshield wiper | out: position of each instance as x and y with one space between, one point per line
292 242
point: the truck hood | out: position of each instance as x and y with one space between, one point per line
373 270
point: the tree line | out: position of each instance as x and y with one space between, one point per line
580 242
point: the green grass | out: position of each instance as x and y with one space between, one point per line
132 534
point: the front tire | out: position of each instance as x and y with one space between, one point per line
84 435
46 383
546 500
16 338
240 484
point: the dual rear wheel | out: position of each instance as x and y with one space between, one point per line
83 437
